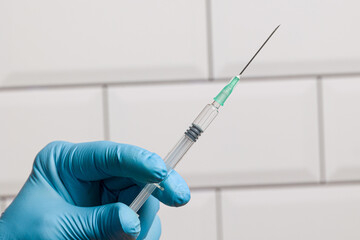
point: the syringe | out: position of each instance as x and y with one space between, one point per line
198 126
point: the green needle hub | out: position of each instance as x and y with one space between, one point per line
226 91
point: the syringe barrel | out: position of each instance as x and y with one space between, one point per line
199 125
207 115
178 151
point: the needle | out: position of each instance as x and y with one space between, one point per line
259 50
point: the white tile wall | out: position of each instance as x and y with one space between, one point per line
79 41
196 220
266 133
314 37
330 213
341 97
32 118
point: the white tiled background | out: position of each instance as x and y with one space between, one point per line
281 161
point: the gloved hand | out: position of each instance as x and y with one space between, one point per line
82 191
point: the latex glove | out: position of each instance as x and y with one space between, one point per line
81 191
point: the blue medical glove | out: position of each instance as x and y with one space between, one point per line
82 191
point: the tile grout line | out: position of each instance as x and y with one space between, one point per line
219 216
105 102
278 186
321 133
209 39
174 81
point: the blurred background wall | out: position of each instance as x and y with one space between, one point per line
282 160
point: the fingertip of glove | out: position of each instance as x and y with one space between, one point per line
130 221
158 168
132 230
142 165
182 198
177 192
